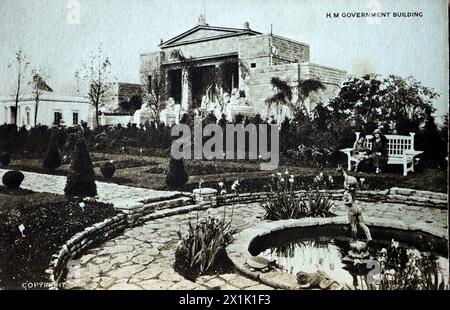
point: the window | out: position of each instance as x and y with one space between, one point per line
57 117
253 65
75 118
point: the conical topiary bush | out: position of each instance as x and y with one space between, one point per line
52 158
81 179
177 174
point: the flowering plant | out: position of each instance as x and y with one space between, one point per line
201 245
284 203
409 269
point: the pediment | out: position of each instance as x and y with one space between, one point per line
200 33
203 34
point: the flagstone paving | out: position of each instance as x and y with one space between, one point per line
118 195
143 257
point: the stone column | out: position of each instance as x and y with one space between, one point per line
205 196
186 91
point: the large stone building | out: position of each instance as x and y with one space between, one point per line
248 61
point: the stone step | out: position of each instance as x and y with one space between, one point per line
159 205
137 220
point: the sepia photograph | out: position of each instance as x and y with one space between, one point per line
224 145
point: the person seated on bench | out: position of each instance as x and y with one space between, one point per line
359 151
379 151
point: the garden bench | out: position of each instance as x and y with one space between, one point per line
400 151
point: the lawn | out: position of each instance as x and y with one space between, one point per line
49 221
150 172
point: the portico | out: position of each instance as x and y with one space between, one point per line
229 70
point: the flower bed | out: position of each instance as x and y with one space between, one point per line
48 221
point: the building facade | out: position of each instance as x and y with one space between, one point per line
52 108
247 60
119 95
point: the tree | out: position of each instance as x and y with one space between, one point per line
430 139
95 79
38 87
407 99
373 101
81 179
283 96
52 158
305 88
21 67
177 174
154 90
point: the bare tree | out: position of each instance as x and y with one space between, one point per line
154 90
20 65
95 79
38 87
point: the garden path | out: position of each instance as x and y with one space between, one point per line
142 258
118 195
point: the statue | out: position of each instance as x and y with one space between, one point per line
353 210
318 280
358 255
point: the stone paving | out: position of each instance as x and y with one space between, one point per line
142 258
119 195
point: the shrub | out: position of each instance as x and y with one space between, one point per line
5 159
283 203
81 179
201 245
177 174
108 169
13 179
52 158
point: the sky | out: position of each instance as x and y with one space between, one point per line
56 39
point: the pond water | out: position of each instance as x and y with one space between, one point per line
329 255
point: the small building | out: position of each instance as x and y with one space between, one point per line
53 108
248 60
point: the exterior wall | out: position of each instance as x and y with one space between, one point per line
259 86
120 92
48 105
324 74
113 120
127 91
289 51
332 79
263 51
148 62
255 49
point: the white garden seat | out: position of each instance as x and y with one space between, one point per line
400 151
